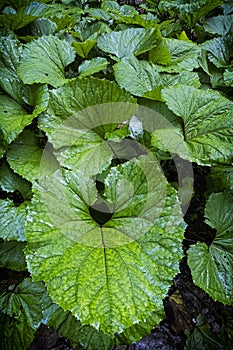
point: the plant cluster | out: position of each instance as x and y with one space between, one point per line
96 100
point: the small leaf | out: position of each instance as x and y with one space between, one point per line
204 338
84 48
44 61
12 255
211 266
90 67
160 54
128 42
228 77
184 56
12 221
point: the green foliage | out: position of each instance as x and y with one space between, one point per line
211 266
94 98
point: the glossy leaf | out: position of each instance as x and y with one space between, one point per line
76 115
24 156
16 21
12 221
10 52
222 25
13 118
84 48
44 61
92 255
184 56
92 66
207 127
142 78
84 30
128 42
219 51
211 266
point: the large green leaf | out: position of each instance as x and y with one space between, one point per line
211 265
44 61
20 305
95 101
84 48
12 255
25 15
142 78
76 114
117 270
128 42
206 122
10 53
116 11
25 153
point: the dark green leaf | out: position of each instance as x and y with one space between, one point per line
11 182
12 255
211 266
21 304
